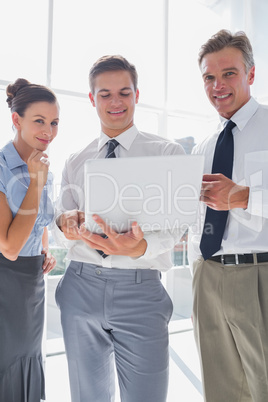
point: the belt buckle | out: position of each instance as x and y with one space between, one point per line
236 259
236 262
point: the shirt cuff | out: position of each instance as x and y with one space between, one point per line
152 250
255 202
58 235
159 243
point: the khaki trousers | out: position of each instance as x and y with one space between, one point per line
230 315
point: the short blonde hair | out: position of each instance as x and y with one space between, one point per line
225 38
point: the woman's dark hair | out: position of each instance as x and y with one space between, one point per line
21 94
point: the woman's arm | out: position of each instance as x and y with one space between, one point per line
45 239
14 233
49 261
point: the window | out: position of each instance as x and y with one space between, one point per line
24 31
55 42
85 30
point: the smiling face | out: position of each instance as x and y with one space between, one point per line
37 128
115 99
226 82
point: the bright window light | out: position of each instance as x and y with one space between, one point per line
23 32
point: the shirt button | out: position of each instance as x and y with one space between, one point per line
98 271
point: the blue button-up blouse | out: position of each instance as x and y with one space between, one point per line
14 182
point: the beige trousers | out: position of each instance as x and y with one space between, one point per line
230 315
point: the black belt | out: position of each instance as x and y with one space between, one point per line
235 259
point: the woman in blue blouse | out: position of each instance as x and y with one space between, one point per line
26 210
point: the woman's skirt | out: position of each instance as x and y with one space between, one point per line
21 329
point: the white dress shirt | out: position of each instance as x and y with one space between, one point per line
131 143
246 230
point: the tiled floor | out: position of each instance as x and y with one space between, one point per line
184 384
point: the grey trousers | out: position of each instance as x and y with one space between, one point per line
116 316
231 330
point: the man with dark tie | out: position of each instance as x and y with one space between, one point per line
114 308
228 251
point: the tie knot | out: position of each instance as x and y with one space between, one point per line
230 125
112 144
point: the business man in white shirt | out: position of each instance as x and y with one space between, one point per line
113 306
230 281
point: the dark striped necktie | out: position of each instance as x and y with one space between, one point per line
215 221
112 144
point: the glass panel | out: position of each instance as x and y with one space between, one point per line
180 256
259 32
190 130
189 27
79 125
23 32
91 29
7 133
146 121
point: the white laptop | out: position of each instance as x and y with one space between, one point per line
159 192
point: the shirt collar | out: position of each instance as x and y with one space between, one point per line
243 115
125 139
12 157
